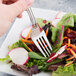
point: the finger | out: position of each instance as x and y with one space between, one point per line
1 1
19 16
20 6
13 0
9 1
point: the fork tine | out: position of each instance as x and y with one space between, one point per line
38 46
46 47
43 47
45 38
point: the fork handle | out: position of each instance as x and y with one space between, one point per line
32 18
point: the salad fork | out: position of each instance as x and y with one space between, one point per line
38 36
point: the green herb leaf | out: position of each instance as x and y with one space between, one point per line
36 56
39 63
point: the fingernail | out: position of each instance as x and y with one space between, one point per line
28 2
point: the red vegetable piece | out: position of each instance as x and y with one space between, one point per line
44 21
52 55
60 51
60 36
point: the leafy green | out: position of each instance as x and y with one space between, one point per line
39 63
40 22
65 71
5 59
23 45
36 56
61 38
36 59
42 64
18 44
74 18
59 41
54 33
67 20
53 62
15 45
56 48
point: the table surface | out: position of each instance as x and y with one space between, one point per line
57 5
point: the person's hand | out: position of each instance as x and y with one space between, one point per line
11 9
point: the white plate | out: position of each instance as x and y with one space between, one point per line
14 36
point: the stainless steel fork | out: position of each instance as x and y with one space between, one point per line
38 36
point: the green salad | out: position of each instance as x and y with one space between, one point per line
25 57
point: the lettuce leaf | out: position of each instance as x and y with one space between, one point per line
54 33
40 22
5 59
18 44
39 63
74 18
65 71
15 45
67 20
